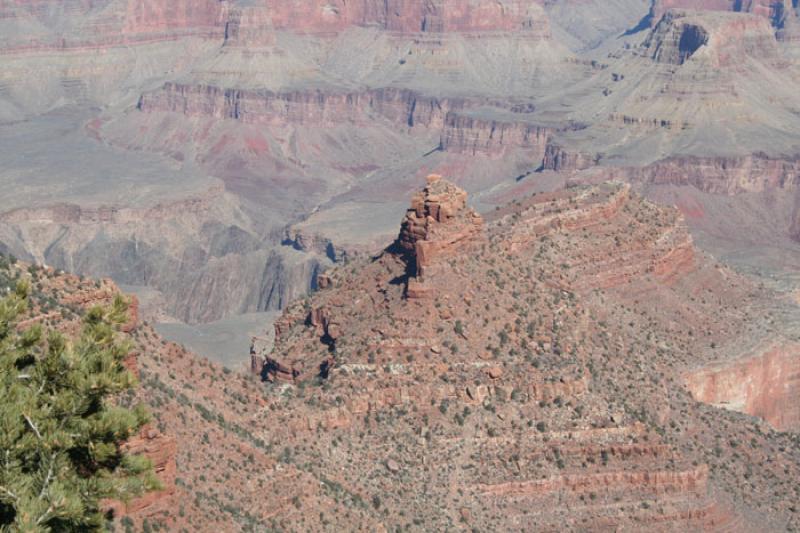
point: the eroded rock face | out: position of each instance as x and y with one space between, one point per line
560 159
155 16
766 385
438 225
131 21
472 136
794 229
80 24
400 106
722 175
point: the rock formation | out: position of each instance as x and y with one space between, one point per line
437 226
548 355
402 107
723 39
472 135
161 450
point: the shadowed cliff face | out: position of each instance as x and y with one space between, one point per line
201 273
692 38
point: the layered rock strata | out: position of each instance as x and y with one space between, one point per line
544 363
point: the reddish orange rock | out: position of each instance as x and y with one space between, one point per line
437 226
161 450
494 372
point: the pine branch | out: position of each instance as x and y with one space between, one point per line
49 476
33 427
44 515
9 493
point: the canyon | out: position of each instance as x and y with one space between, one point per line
227 158
188 91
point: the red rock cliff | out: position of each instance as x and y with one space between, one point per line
409 16
766 385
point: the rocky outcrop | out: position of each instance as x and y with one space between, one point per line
299 239
692 480
161 450
723 39
679 45
562 213
668 254
765 384
538 351
437 226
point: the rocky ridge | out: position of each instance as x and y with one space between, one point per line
512 368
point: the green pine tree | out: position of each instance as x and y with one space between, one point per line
60 428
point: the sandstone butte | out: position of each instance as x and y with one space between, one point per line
543 367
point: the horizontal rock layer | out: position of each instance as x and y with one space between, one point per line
87 23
